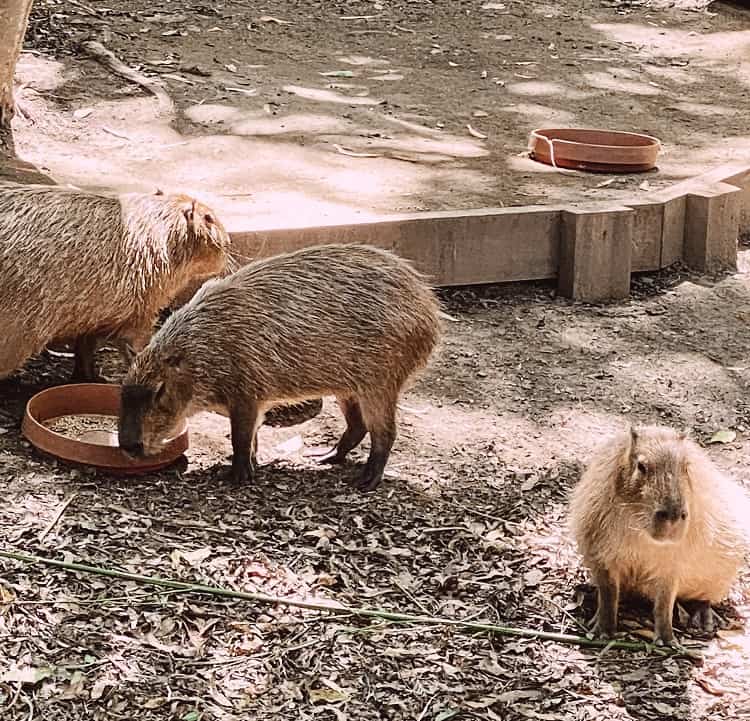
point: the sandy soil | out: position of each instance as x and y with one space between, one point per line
271 100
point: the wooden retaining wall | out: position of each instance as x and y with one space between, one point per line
591 248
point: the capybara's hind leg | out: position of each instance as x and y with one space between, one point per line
352 436
703 617
84 364
292 415
380 419
244 419
12 356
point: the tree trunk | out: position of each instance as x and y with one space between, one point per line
14 16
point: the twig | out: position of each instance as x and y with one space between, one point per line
57 517
334 607
117 135
85 8
107 58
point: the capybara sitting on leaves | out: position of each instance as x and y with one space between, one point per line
653 516
350 321
83 267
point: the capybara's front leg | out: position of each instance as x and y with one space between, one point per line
84 365
244 418
608 595
663 609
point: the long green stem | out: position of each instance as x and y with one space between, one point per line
333 607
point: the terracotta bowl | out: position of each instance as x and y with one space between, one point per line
96 399
599 151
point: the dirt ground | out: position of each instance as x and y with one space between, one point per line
470 521
272 99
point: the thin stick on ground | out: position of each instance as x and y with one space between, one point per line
56 518
334 607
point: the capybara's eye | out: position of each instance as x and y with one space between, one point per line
642 468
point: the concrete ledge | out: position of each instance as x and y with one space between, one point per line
696 221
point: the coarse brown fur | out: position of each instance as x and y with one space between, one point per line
345 320
82 267
652 515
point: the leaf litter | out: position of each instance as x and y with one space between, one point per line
447 535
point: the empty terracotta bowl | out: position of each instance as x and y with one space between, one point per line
598 151
96 447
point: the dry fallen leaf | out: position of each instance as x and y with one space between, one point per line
476 133
533 577
723 436
353 154
327 695
272 19
194 558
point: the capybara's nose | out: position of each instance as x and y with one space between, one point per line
671 513
132 448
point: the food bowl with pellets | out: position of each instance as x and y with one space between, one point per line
78 423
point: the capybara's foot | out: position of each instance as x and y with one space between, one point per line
665 637
293 415
241 473
602 630
369 480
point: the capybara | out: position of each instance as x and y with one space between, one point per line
350 321
653 516
82 267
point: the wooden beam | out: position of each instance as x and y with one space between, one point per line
595 253
466 248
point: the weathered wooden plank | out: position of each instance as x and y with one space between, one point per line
648 223
466 248
596 247
712 218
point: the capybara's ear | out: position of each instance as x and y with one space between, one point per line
632 445
189 210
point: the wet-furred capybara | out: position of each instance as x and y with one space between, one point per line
85 267
350 321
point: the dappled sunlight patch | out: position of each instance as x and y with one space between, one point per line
363 60
539 114
706 110
612 81
209 113
330 96
672 74
524 164
669 42
539 88
45 74
704 152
